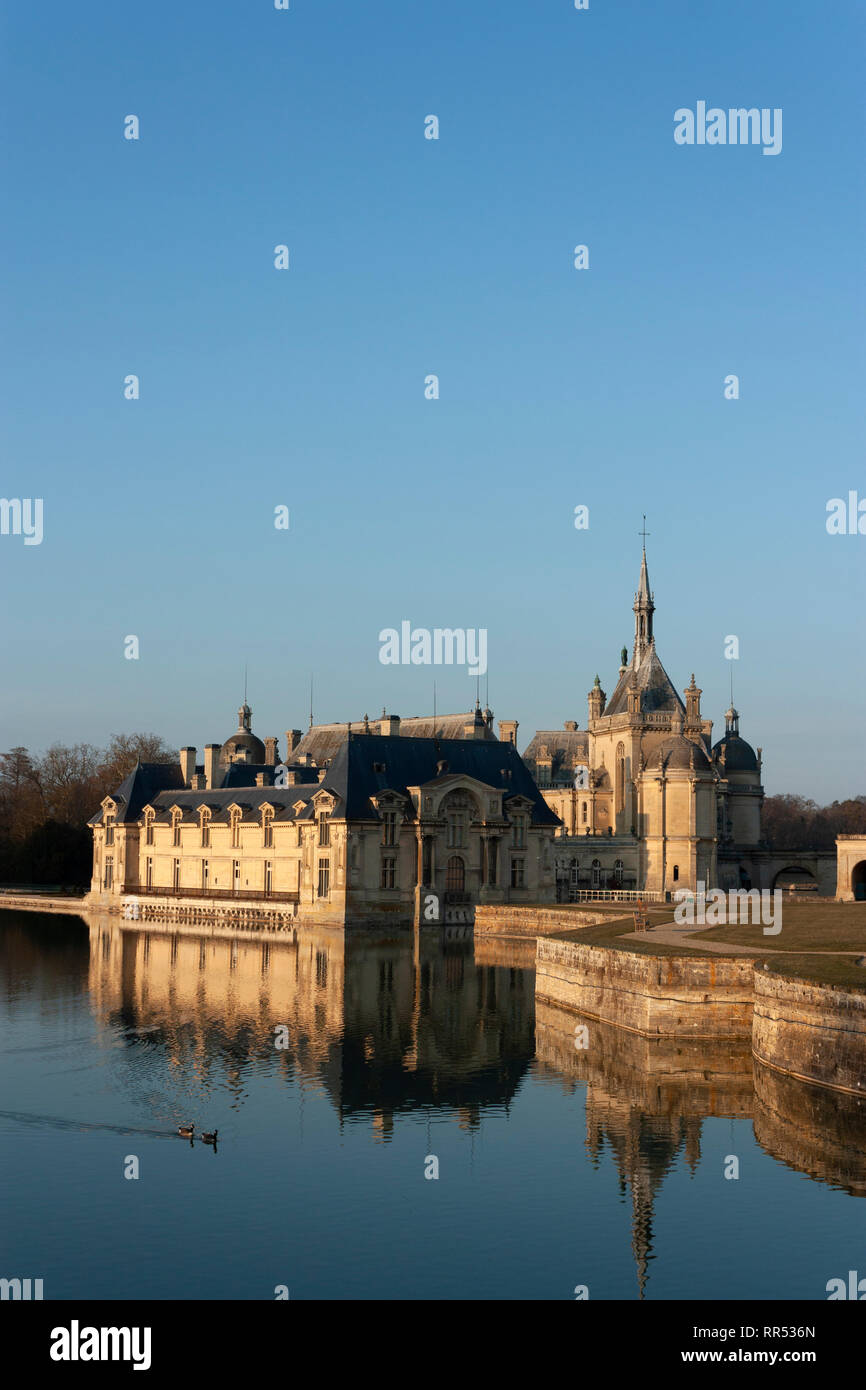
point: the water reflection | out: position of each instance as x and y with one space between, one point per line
434 1027
381 1026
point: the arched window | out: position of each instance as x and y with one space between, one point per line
596 873
618 871
583 812
455 875
620 777
676 872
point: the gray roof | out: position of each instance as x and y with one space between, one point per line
734 754
655 685
321 741
567 748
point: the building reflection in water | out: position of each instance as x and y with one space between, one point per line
380 1026
433 1022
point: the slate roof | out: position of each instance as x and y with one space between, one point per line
244 774
219 800
653 682
734 754
411 762
321 741
351 776
140 786
567 748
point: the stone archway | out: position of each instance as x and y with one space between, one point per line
858 881
796 877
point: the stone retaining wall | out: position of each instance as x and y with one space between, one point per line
659 996
505 920
814 1032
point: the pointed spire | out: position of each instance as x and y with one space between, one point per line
643 608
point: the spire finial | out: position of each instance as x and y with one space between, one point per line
644 532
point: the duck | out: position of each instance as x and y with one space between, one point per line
207 1138
187 1131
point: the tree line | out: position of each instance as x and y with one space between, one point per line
46 802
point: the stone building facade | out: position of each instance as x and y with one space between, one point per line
646 802
851 868
362 826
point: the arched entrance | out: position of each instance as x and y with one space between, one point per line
858 881
795 878
455 875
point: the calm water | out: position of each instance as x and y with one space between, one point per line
557 1167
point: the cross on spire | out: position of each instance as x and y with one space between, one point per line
644 532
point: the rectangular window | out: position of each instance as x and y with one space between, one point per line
324 878
517 873
175 874
175 832
518 833
109 830
236 833
389 828
324 833
268 832
205 833
148 873
268 876
493 861
109 872
148 833
204 875
388 878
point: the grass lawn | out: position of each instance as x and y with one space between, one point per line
807 930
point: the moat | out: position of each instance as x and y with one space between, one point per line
335 1070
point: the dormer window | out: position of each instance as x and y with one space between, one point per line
110 819
148 827
518 833
175 828
389 828
235 828
267 827
324 830
205 827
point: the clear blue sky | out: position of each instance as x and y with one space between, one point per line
410 257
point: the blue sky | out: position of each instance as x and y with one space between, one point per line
408 257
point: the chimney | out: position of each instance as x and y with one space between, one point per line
389 724
323 772
211 765
293 738
571 725
263 779
187 765
197 782
508 731
272 757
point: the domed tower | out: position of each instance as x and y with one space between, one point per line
243 746
740 789
678 801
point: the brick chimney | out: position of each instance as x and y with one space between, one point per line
272 757
293 738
